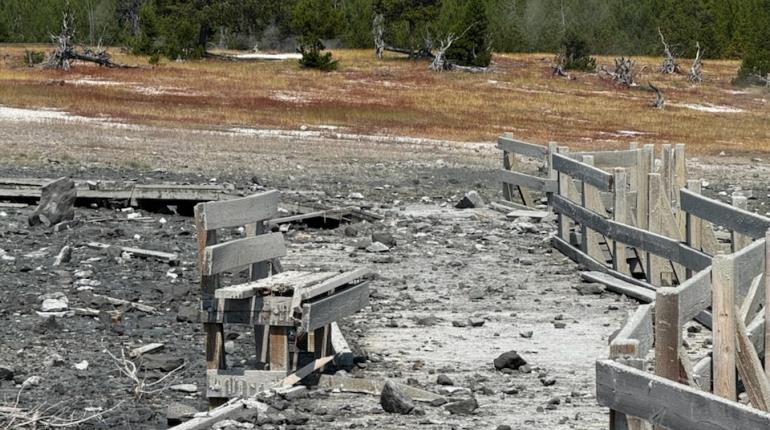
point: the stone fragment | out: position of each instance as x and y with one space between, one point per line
394 400
462 407
470 200
443 379
509 360
57 203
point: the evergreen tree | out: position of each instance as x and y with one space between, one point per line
416 15
473 47
314 20
756 59
175 28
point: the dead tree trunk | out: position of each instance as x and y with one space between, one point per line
378 30
624 71
669 65
695 71
65 52
440 62
559 62
659 100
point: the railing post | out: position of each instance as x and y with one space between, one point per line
590 200
668 334
723 305
620 214
740 241
655 265
678 182
563 190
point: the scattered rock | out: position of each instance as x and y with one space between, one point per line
559 324
377 247
57 203
351 231
184 388
460 323
476 322
442 379
509 360
386 239
470 200
54 305
526 334
393 400
164 362
6 373
83 365
32 381
64 256
586 288
462 407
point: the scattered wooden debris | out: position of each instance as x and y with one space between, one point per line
669 65
305 371
145 349
373 387
205 420
121 302
167 257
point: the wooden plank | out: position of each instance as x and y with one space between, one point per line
611 159
620 216
694 296
656 265
670 404
563 189
343 356
693 224
766 325
508 161
750 369
231 409
173 192
279 349
167 257
239 212
287 280
657 244
329 284
306 370
679 181
543 185
321 312
754 299
643 294
639 329
668 334
740 241
591 237
646 163
515 146
240 383
241 252
723 303
749 263
727 216
589 174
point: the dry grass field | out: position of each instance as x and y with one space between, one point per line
400 97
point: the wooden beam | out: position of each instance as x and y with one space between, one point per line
240 383
620 216
583 172
723 289
543 185
279 349
239 212
591 202
611 159
328 285
579 257
241 252
750 369
639 330
668 334
739 241
619 286
670 404
509 144
725 215
343 356
321 312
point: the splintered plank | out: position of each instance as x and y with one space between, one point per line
311 291
670 404
244 291
240 383
168 257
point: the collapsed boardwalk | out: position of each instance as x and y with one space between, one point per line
647 233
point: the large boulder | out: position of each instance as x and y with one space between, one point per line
394 400
509 360
57 203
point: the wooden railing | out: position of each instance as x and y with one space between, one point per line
648 234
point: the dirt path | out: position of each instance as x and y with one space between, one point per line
448 266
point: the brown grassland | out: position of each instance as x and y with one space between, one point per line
401 97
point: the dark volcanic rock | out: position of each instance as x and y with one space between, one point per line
6 373
444 380
472 199
394 400
386 239
57 203
462 407
509 360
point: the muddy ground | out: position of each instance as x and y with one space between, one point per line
449 265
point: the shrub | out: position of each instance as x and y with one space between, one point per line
576 53
313 58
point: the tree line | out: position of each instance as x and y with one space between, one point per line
185 28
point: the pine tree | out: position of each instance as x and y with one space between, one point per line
473 48
314 20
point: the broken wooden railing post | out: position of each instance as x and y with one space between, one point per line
565 188
655 265
723 303
668 334
620 215
591 201
678 181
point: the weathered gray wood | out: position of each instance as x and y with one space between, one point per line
508 162
172 192
241 252
668 334
662 246
749 263
320 312
239 212
589 263
754 299
306 370
240 383
611 159
723 303
590 200
725 215
750 369
330 284
669 404
544 185
620 216
766 325
257 310
578 170
639 329
643 294
739 241
231 409
343 356
286 281
512 145
168 257
694 296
